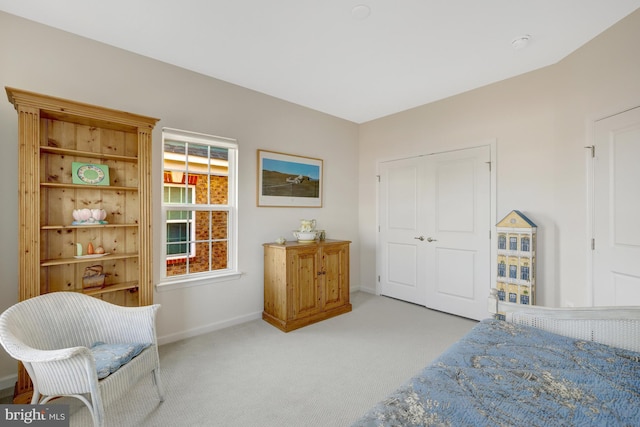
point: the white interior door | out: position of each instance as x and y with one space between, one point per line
401 204
458 214
616 223
434 243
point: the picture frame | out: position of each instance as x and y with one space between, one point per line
288 180
89 174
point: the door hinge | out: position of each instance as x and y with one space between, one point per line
378 176
489 163
593 150
378 278
593 244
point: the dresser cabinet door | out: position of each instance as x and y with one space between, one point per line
303 283
335 276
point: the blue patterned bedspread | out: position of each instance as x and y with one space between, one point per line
502 374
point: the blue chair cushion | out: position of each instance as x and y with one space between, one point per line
110 357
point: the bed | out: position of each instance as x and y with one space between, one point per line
530 367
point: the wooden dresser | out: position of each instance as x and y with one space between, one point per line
305 283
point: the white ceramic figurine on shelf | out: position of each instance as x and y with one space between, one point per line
89 216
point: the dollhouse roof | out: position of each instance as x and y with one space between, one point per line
516 219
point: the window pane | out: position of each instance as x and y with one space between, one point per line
219 255
176 249
176 194
176 268
177 238
219 190
177 232
203 225
174 163
198 154
220 224
200 263
199 181
179 215
173 147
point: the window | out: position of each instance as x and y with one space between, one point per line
513 271
524 273
502 269
502 241
180 226
524 246
513 243
199 211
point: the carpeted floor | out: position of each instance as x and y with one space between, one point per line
326 374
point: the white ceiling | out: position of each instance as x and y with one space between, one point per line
316 53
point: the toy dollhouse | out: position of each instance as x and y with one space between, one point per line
516 259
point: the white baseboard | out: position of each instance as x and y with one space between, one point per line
166 339
7 385
366 290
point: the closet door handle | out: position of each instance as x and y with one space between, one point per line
431 240
421 238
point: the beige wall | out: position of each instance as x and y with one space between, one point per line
540 123
40 59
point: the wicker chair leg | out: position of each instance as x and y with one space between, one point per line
158 382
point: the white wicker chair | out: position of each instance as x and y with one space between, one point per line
51 335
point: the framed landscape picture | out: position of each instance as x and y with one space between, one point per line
289 180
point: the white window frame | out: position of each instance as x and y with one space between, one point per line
208 277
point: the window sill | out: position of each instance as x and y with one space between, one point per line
173 284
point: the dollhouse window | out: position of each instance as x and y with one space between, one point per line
524 246
502 242
524 273
513 271
502 269
513 243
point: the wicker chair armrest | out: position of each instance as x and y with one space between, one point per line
71 371
32 355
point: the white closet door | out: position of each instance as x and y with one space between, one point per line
434 245
616 221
